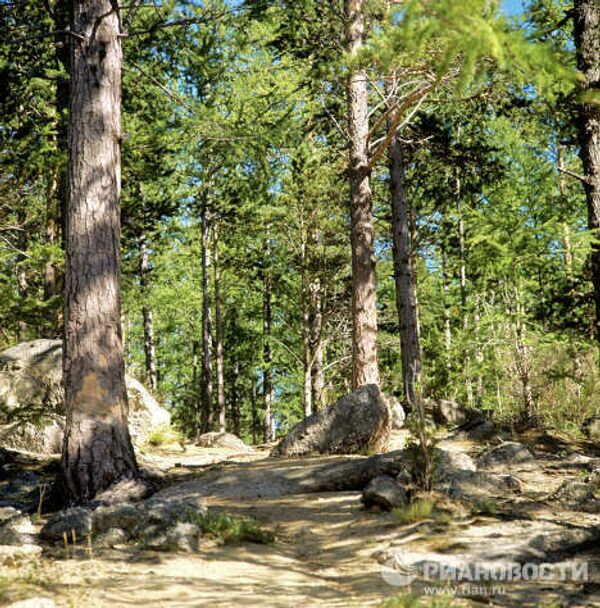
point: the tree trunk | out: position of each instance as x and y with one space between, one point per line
97 448
206 413
149 344
235 397
364 297
267 354
255 420
316 345
406 303
587 43
306 334
219 332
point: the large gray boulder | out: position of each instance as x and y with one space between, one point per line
357 423
226 441
32 405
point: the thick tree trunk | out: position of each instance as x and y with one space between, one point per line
97 447
364 297
267 353
206 413
219 332
404 279
587 43
147 316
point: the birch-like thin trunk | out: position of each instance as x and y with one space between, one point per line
316 344
219 332
147 316
206 413
97 450
267 352
587 43
364 297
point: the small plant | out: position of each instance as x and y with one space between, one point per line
484 507
163 435
230 529
414 512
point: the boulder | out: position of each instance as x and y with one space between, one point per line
126 517
75 519
384 492
452 414
32 400
506 454
225 441
111 538
448 464
471 485
398 413
357 423
18 531
181 536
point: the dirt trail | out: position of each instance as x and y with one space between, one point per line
327 553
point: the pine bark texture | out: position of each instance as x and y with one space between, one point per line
97 448
364 297
587 43
406 302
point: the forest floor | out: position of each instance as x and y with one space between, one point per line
328 550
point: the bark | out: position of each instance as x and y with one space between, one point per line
406 302
219 332
149 343
306 342
267 353
97 448
235 397
587 43
316 345
568 254
254 407
364 297
206 413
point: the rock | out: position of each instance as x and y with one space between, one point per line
18 531
124 516
22 491
111 538
169 509
508 453
32 400
223 440
8 513
398 413
34 602
384 492
78 519
480 430
449 463
356 423
476 485
181 536
577 496
591 427
450 413
126 490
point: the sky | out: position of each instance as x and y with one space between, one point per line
513 7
